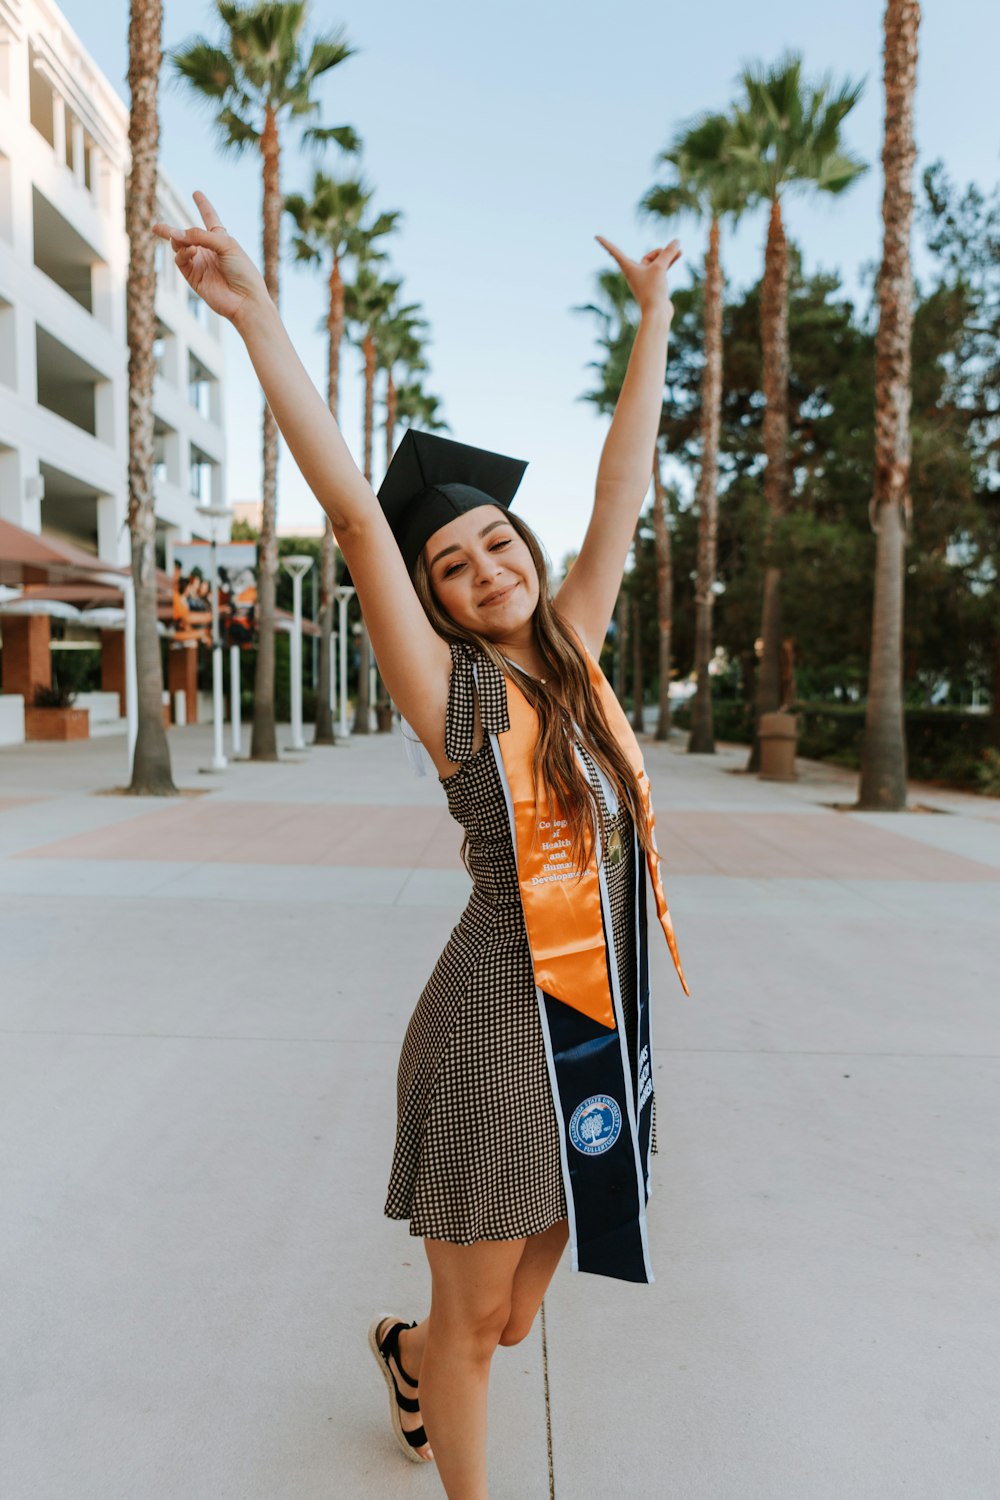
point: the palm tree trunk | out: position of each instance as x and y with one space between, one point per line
324 732
621 639
883 757
701 740
664 595
638 685
390 419
263 741
383 715
362 711
774 338
151 772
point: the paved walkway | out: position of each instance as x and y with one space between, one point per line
201 1007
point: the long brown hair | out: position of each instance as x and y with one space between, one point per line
567 696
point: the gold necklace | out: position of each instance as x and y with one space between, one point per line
517 664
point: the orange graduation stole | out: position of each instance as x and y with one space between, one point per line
562 912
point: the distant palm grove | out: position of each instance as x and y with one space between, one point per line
824 529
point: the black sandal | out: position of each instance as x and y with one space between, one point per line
383 1351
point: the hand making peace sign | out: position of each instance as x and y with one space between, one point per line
213 263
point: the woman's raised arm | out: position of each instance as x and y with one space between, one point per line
412 657
587 598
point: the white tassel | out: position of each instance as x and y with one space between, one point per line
413 750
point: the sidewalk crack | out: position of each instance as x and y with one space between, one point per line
548 1406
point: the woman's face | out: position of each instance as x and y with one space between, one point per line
482 573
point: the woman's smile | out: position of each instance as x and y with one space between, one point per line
500 596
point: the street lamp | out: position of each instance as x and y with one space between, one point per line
298 567
342 594
213 514
126 583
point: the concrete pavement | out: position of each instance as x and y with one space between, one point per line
201 1007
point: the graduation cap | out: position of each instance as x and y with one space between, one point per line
431 480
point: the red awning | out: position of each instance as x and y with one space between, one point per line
26 557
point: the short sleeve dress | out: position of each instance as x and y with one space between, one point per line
477 1144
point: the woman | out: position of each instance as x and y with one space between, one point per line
525 1096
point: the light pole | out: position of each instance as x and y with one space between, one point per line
213 514
342 594
298 567
125 582
235 722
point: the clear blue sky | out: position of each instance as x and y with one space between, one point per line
508 138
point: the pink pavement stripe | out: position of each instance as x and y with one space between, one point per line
273 833
820 845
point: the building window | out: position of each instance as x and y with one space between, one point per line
162 353
200 382
201 476
62 252
68 386
41 103
196 307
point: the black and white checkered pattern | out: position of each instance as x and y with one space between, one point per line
477 1145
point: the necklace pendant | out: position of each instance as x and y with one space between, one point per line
615 851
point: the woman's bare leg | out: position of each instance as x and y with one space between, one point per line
471 1291
542 1253
535 1264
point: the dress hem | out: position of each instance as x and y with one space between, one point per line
477 1239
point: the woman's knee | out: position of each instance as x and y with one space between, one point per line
476 1329
516 1329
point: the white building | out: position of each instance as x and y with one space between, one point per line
63 352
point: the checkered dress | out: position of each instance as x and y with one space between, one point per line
477 1144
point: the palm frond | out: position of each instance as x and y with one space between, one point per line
345 136
237 133
207 68
327 52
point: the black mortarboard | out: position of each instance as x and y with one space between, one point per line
431 480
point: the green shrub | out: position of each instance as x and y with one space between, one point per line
731 719
988 772
943 744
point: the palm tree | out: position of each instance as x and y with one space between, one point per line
366 301
398 343
664 594
617 315
708 183
416 408
787 135
151 773
327 224
261 75
883 757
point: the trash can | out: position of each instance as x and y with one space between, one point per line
778 733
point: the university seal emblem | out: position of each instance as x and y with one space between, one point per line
595 1125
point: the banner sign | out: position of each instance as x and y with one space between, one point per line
236 563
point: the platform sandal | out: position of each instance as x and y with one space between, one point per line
383 1351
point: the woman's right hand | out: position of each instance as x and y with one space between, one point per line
213 264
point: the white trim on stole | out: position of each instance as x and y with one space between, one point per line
619 1023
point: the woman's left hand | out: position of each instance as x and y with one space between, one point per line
647 278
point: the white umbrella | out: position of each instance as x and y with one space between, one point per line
104 617
54 607
6 593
